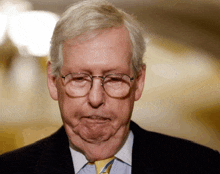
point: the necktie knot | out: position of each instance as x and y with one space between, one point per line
104 166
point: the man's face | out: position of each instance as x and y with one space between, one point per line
96 121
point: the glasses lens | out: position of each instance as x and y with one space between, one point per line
117 85
77 84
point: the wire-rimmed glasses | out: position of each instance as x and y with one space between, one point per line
115 85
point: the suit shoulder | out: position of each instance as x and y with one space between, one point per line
162 141
176 144
183 153
165 150
21 159
24 152
24 158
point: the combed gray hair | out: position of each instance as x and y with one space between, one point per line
89 16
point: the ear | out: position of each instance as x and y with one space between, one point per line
140 80
51 82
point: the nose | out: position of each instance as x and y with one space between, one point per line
96 93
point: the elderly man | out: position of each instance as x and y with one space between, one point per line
96 73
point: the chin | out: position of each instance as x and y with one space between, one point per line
95 134
95 141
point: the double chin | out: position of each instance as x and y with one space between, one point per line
97 141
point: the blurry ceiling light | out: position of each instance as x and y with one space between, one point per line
10 8
32 31
3 27
13 7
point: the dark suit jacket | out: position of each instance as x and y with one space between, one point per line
152 153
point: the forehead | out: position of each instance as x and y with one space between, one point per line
105 50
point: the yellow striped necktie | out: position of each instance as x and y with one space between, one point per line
104 166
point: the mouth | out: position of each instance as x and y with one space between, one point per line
96 119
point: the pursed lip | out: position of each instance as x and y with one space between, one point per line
96 118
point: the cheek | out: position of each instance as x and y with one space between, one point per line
67 105
70 111
61 98
124 110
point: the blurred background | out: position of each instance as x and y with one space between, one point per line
182 91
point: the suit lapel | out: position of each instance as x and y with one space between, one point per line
56 157
141 163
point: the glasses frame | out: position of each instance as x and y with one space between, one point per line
102 78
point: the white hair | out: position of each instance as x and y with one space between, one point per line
89 16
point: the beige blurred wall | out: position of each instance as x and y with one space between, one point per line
181 96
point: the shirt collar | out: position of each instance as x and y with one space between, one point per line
124 154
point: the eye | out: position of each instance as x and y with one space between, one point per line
78 78
115 79
79 81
